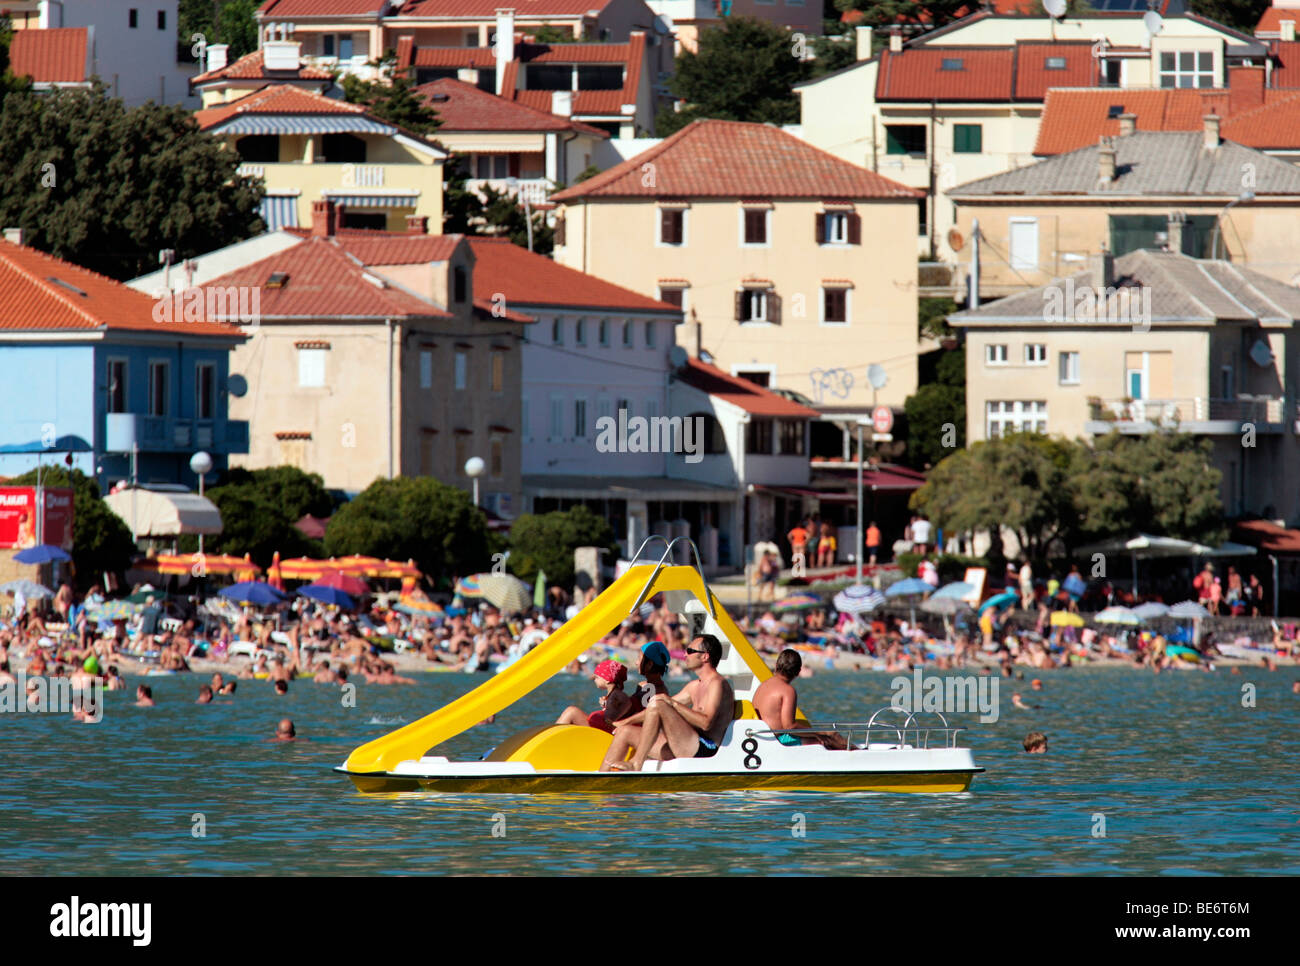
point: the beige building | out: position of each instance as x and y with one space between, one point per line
784 259
1042 221
374 357
1177 344
964 102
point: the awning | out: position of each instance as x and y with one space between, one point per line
376 199
1144 546
280 211
166 512
302 124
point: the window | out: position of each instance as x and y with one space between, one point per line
715 441
492 165
627 335
1054 63
759 377
116 386
602 408
580 419
580 332
557 417
790 437
604 332
311 368
426 369
904 139
462 452
557 332
754 226
1128 233
1112 73
1186 68
600 77
995 355
967 138
952 63
549 77
835 305
1024 243
751 305
342 43
205 391
460 283
839 228
650 335
1069 368
159 377
343 149
1002 418
672 226
496 457
625 405
133 18
1035 354
923 215
498 371
673 295
758 436
259 148
162 19
461 370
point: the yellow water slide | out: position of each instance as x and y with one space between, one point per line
543 662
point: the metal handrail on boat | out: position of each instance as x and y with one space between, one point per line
846 729
668 549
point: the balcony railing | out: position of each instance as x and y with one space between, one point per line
358 65
1261 411
532 190
251 171
163 434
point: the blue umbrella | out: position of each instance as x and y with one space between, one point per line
999 601
327 595
958 589
908 587
253 592
42 553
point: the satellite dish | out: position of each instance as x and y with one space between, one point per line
677 357
706 356
1261 354
1054 8
876 376
1153 22
955 240
236 385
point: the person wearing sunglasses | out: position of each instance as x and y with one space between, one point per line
690 724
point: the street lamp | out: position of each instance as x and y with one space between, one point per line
474 467
201 464
857 552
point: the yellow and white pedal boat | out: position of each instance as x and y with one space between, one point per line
566 758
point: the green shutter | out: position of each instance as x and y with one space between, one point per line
967 138
892 144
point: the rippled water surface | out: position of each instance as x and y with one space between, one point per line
1186 780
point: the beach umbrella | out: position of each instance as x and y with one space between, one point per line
508 594
946 606
1063 618
344 582
1117 615
1151 609
395 568
1188 608
42 553
858 599
28 588
360 565
273 576
113 610
907 587
958 590
1004 599
418 608
468 587
795 602
252 592
327 595
302 568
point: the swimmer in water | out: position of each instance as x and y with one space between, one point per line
284 730
205 695
1036 743
143 696
1017 703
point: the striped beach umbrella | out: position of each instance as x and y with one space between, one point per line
858 599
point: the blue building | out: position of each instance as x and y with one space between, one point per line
97 370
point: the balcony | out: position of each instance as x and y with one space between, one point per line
1134 417
251 171
162 434
358 65
532 190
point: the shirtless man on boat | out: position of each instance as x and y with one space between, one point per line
776 702
691 724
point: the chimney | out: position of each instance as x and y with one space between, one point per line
1177 221
1211 131
281 54
417 225
1287 30
895 41
217 56
322 219
562 103
14 236
1245 89
505 45
1102 268
1106 161
862 36
1127 124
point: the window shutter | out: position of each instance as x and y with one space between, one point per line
773 307
559 230
855 229
821 229
665 226
740 306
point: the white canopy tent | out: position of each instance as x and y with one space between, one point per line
162 510
1144 546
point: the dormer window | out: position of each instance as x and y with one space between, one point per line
952 63
1055 63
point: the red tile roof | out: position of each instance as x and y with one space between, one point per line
733 159
32 298
408 54
488 8
1286 63
396 248
1270 23
276 9
52 56
466 108
487 309
1074 119
325 282
741 392
916 73
276 99
526 278
1033 78
252 67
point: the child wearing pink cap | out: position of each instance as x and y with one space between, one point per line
609 676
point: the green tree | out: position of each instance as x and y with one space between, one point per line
1241 15
416 518
546 542
743 71
259 509
936 412
931 316
101 540
220 22
393 100
833 53
503 216
8 82
123 185
550 34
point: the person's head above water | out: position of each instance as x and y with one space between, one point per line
285 729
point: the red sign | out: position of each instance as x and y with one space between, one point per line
18 517
882 419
